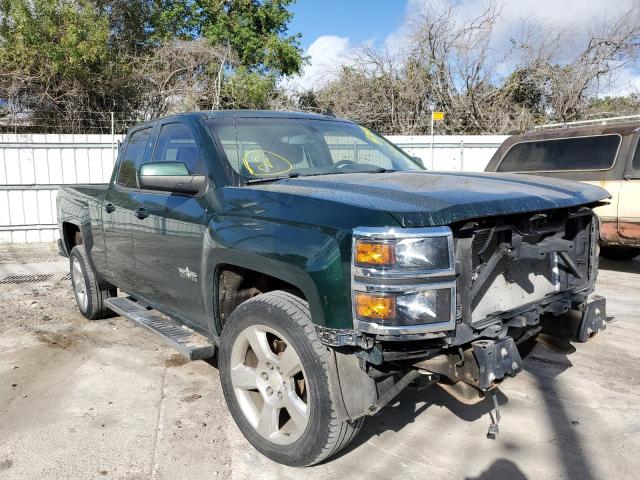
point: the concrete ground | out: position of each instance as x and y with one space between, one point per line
104 399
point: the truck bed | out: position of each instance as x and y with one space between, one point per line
84 189
76 204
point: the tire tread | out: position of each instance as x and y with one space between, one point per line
341 432
96 308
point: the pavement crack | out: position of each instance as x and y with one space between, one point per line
157 437
412 459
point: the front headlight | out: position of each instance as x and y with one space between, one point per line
431 253
403 280
421 306
408 253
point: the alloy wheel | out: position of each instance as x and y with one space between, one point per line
79 285
270 384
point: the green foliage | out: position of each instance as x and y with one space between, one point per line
610 106
55 56
68 37
523 90
246 89
255 30
102 55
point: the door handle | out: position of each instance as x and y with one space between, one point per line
141 213
110 208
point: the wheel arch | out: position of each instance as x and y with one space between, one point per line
303 259
235 280
71 235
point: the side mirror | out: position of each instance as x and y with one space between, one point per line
169 177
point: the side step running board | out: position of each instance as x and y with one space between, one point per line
189 343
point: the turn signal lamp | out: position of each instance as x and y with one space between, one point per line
375 306
371 253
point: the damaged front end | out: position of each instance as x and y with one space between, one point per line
451 305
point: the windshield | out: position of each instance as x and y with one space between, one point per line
259 149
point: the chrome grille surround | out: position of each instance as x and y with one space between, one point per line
392 280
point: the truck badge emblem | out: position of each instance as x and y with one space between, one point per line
188 274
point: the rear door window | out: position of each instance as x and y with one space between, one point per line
132 157
564 154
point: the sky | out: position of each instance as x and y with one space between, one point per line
332 29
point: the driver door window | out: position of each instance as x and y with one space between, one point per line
177 144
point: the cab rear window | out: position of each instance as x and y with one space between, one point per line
580 153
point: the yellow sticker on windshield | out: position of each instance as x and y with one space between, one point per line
262 163
370 135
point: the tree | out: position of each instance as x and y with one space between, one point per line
63 60
256 32
55 58
449 63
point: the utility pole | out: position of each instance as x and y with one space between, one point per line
432 138
439 116
113 138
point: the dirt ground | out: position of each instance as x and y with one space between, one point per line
105 399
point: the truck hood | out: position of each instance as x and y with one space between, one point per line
418 199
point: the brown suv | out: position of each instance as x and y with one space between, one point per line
607 155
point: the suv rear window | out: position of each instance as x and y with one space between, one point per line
580 153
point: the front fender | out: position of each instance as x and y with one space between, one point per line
310 258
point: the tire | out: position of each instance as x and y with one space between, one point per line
83 279
622 253
252 335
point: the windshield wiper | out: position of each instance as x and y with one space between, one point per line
265 179
340 172
317 174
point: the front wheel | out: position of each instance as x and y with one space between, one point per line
274 375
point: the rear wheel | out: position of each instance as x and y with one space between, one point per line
617 252
89 296
274 374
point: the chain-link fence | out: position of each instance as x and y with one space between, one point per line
77 122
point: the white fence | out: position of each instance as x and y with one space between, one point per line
32 167
469 153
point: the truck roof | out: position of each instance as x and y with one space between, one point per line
245 114
620 128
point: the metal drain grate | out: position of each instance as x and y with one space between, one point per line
66 277
31 278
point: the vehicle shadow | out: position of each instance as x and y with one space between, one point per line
544 365
626 266
411 403
501 469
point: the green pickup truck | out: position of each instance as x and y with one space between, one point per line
326 269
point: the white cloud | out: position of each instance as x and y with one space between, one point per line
573 17
623 83
577 14
327 54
